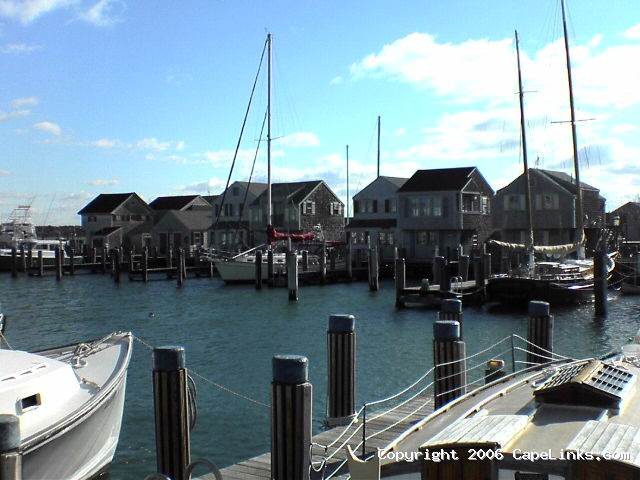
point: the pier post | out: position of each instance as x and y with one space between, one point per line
170 257
258 270
145 264
94 255
292 275
179 269
305 260
401 281
59 256
14 262
104 259
270 267
373 269
494 371
539 333
450 376
290 418
443 280
451 309
115 265
72 267
40 263
348 258
486 267
173 448
323 262
23 260
478 269
341 359
600 282
463 267
10 457
29 258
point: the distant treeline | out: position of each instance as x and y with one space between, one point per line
68 232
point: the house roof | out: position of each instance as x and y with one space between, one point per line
291 192
438 180
396 182
565 180
106 202
177 202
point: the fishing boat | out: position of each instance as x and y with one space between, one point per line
562 420
69 402
557 282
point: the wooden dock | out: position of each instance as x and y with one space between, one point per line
381 432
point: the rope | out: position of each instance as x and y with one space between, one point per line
212 382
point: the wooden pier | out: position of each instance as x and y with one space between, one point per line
392 425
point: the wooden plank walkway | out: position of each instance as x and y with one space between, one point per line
260 467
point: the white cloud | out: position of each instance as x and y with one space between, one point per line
19 49
48 127
5 173
102 182
5 116
26 11
300 139
633 32
24 102
156 145
103 13
105 143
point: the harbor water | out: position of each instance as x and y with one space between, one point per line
230 334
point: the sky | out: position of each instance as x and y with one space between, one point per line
113 96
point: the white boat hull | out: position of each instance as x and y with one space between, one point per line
69 402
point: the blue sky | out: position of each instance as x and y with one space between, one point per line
117 96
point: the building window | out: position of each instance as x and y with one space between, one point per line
485 205
356 206
335 208
426 238
309 207
547 201
92 218
427 206
514 202
471 203
385 238
390 205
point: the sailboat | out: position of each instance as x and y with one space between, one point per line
570 281
241 268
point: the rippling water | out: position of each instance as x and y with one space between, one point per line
230 334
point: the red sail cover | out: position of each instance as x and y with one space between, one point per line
273 235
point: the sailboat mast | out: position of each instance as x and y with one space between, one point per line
527 188
348 200
378 147
574 136
269 58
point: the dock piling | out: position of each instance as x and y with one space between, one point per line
290 418
173 447
292 275
59 261
10 457
401 281
600 282
451 309
450 377
258 270
539 333
373 269
341 359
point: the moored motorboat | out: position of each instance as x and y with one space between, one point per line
69 402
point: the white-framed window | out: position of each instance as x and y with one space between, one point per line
309 207
426 238
335 208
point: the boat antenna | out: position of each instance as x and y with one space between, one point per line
574 139
527 188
